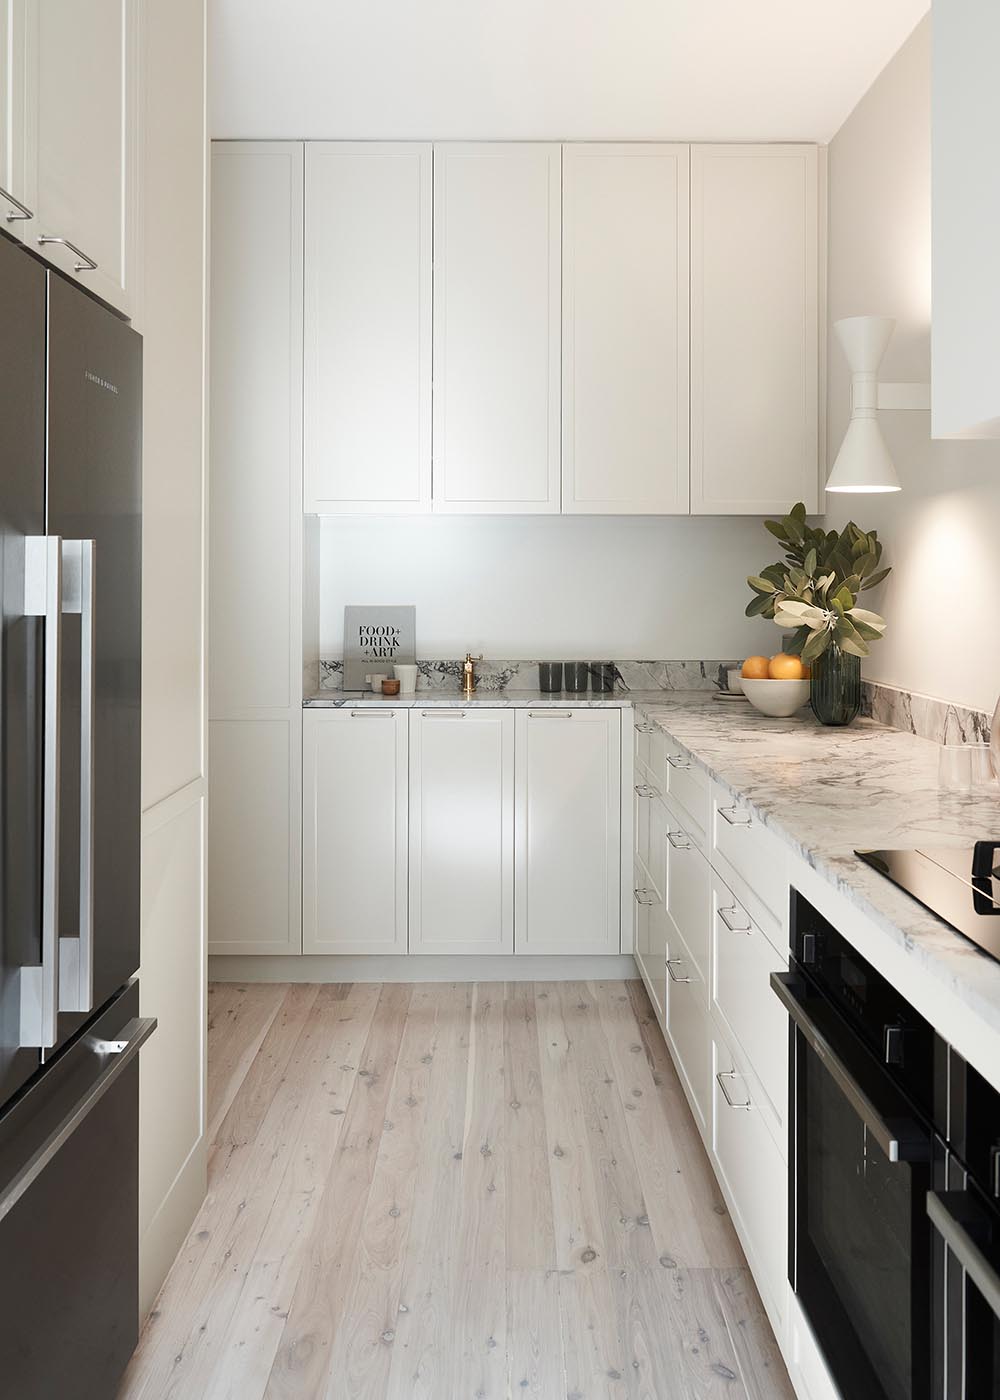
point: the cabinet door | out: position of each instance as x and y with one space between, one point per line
354 831
255 549
461 831
754 329
16 215
368 327
625 329
83 144
496 328
567 831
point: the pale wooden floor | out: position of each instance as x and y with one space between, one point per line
453 1192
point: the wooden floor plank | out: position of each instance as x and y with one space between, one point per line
449 1191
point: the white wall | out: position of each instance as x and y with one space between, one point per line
559 587
940 532
173 967
559 70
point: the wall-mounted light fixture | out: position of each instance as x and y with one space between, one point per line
863 463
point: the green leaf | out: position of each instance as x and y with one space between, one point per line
810 563
776 529
761 584
876 579
758 605
816 645
870 619
798 512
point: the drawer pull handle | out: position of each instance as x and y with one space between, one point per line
677 760
84 262
443 714
644 790
550 714
735 816
644 896
728 914
721 1078
679 841
373 714
20 210
671 964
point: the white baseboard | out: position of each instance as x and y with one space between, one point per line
420 967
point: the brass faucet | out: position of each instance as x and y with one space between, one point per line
469 674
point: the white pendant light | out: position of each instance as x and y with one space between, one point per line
863 463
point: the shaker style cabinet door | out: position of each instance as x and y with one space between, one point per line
354 831
461 831
16 177
567 831
754 329
496 328
83 141
368 327
255 549
625 329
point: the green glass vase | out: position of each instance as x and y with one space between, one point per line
835 690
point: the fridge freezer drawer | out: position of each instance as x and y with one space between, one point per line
69 1216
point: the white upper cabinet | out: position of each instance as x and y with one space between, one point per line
755 285
567 883
368 327
496 328
462 831
625 329
16 214
81 140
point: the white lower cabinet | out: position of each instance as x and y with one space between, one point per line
754 1176
461 831
651 940
355 831
567 884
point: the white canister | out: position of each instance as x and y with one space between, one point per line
406 674
375 681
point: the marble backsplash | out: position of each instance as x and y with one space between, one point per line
523 675
899 709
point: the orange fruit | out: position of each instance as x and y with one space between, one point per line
755 668
784 668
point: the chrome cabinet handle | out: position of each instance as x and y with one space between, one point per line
644 896
724 915
20 210
120 1054
674 837
677 760
721 1078
76 954
443 714
944 1210
43 598
644 790
736 816
550 714
373 713
671 964
84 263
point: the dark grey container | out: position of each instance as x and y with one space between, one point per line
550 676
603 675
576 675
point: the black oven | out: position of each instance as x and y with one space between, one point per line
867 1082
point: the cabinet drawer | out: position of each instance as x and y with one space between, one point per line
643 734
688 896
687 1026
644 796
651 945
753 1176
690 788
743 846
742 963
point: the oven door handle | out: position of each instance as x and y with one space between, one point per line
945 1210
900 1138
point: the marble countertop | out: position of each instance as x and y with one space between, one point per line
496 699
825 792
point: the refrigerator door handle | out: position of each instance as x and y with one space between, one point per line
40 984
76 955
117 1056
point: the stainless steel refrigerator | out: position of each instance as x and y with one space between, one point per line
70 1031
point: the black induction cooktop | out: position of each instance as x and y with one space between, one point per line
961 885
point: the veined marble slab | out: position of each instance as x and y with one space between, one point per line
491 699
826 792
523 675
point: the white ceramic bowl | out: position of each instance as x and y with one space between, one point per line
779 699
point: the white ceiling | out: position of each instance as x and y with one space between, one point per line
548 69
